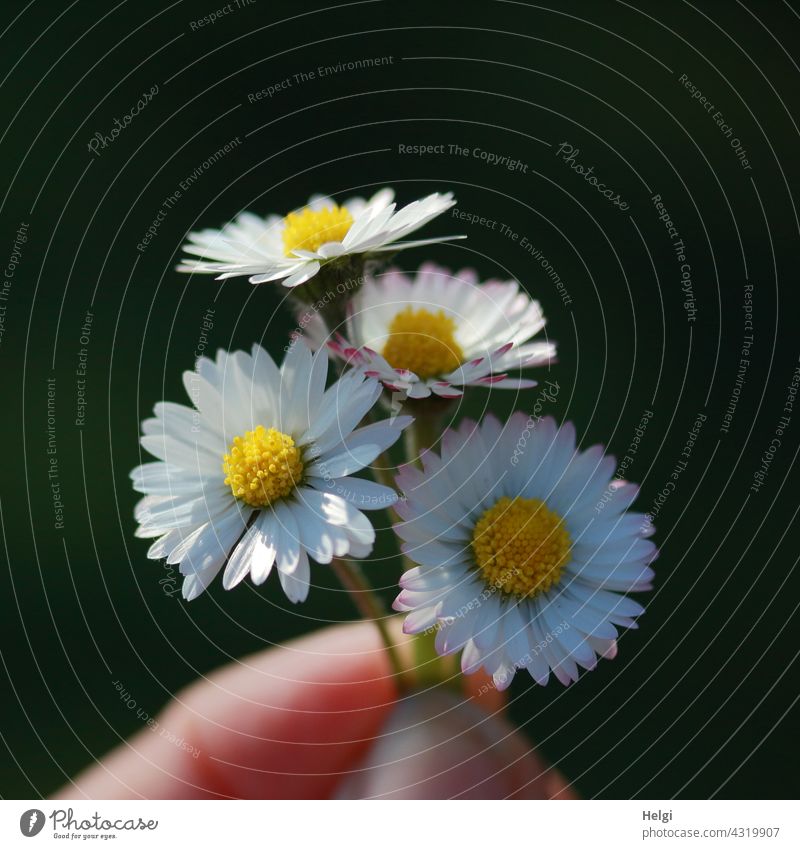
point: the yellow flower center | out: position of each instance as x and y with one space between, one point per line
520 546
309 229
423 342
262 466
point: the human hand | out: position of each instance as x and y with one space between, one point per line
320 717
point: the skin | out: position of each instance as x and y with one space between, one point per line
320 717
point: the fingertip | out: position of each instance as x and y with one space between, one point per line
437 745
283 723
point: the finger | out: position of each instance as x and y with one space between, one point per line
292 721
536 778
438 745
285 723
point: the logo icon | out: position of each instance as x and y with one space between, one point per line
398 397
31 822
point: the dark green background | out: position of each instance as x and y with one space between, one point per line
702 699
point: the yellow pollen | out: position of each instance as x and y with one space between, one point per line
262 466
309 229
520 546
423 342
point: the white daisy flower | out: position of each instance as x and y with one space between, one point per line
258 473
519 566
294 248
443 331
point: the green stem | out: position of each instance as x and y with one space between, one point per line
370 607
352 578
431 669
423 433
329 291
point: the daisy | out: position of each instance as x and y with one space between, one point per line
518 568
294 248
257 474
440 331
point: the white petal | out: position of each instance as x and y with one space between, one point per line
195 584
296 582
255 554
305 272
162 479
365 494
322 540
288 538
185 454
345 463
379 435
419 620
212 547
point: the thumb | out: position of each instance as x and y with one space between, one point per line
437 745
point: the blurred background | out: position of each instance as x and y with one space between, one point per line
692 106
